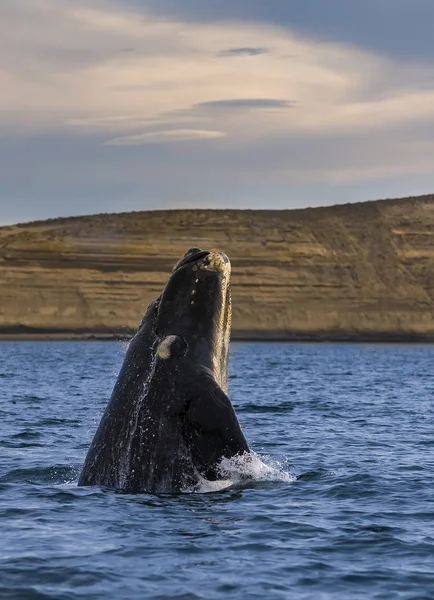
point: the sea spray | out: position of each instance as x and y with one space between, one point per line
250 466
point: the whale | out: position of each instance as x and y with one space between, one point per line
169 422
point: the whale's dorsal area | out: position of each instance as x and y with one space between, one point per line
169 422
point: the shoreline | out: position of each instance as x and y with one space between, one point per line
237 336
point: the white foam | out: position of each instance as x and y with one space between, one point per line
244 469
250 466
205 486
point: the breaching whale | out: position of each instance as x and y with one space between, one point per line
169 422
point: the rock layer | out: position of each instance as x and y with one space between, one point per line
355 271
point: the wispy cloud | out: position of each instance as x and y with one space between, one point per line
258 102
243 104
165 136
243 51
64 65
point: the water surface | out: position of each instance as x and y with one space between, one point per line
345 509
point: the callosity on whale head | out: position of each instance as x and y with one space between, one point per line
169 422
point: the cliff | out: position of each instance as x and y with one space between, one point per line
357 271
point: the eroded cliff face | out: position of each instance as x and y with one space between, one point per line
357 271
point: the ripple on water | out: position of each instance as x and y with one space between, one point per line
283 407
26 434
353 422
42 475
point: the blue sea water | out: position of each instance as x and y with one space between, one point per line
343 508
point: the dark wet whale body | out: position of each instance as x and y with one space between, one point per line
169 422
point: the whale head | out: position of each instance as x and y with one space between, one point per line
195 307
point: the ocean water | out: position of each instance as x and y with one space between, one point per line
340 504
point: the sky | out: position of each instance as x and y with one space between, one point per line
116 105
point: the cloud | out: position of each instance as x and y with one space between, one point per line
103 93
243 51
165 136
401 29
69 71
243 103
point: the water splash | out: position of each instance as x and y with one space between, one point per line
125 344
244 469
205 486
133 425
250 466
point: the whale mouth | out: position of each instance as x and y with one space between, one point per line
214 261
191 256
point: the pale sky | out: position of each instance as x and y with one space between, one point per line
107 106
